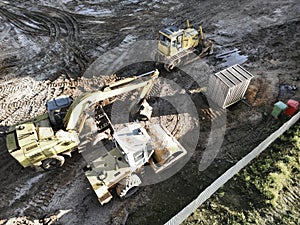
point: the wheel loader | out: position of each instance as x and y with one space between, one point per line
45 140
181 46
119 166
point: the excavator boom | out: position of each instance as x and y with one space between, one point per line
120 87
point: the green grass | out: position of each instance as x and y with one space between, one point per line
258 188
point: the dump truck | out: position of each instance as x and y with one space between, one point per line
45 140
181 46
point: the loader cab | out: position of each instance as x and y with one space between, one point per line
57 109
170 41
135 145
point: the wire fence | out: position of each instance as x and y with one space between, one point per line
203 196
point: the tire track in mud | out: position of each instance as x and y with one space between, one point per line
63 30
47 22
50 24
32 195
20 21
80 59
72 27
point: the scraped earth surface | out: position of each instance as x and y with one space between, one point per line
46 49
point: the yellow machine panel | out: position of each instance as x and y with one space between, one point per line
175 46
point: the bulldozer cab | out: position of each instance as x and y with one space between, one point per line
173 40
170 41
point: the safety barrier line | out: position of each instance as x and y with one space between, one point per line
191 207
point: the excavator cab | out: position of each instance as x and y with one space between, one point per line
57 109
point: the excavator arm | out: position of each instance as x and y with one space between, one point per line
79 106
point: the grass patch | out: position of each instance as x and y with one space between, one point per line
258 188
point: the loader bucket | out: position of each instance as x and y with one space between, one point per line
167 149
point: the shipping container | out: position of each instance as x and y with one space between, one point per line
229 85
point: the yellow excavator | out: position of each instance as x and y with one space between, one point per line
181 46
44 140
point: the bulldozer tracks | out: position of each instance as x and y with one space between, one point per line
38 203
6 89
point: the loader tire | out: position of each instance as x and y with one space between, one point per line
53 162
128 186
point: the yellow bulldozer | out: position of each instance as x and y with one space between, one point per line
181 46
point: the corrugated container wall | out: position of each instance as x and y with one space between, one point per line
229 85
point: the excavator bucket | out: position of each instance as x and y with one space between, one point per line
167 149
145 111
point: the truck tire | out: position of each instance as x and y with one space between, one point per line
128 186
53 162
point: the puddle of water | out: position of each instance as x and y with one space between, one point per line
32 25
232 57
138 10
129 39
127 2
83 10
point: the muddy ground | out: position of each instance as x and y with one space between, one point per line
46 49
